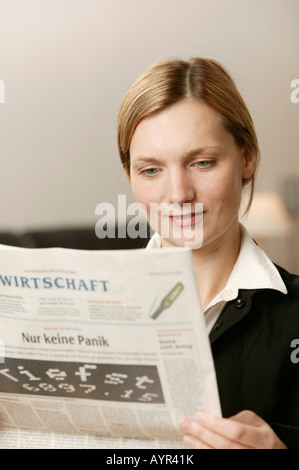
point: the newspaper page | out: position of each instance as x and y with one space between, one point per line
101 349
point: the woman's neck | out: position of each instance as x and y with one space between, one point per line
214 263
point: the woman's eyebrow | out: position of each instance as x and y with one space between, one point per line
214 149
144 160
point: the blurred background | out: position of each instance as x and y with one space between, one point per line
65 66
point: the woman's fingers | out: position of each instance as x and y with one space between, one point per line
200 436
244 430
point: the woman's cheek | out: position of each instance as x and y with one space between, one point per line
145 192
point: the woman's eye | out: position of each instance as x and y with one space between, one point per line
204 164
149 172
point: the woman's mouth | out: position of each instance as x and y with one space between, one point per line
186 220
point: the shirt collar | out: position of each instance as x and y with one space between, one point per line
155 242
253 270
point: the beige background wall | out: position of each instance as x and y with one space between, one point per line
66 65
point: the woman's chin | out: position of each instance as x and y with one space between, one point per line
194 241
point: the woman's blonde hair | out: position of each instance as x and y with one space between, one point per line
166 83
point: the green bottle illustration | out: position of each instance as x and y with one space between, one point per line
168 300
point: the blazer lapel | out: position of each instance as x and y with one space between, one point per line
232 313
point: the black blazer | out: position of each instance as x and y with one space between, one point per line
251 345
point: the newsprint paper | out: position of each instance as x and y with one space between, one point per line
101 349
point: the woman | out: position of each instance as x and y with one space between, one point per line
186 139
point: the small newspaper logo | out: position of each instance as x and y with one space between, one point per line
2 91
2 352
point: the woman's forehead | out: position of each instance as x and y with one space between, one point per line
188 126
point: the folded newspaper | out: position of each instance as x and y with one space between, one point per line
101 349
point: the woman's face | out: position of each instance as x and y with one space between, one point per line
183 158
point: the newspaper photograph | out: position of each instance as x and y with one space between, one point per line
101 348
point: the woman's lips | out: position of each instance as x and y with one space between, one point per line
186 220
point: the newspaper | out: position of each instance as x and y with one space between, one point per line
101 349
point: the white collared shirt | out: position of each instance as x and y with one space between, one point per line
253 270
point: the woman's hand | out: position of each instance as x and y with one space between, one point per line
244 430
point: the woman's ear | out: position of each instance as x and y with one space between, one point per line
249 164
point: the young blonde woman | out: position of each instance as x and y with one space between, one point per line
185 137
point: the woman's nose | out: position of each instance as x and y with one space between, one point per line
179 188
